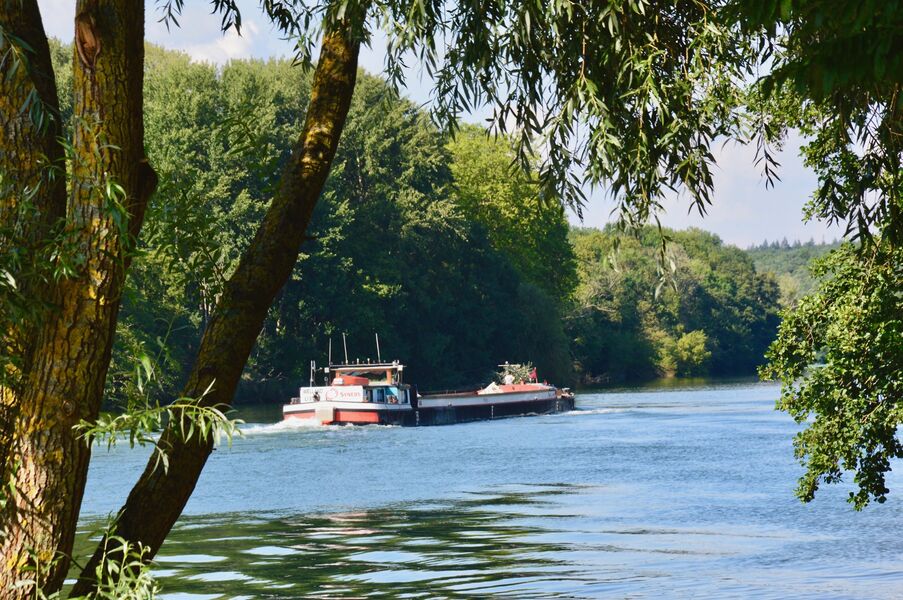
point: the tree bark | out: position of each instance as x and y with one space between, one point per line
159 496
32 190
111 182
29 121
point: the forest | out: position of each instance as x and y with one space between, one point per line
704 309
435 243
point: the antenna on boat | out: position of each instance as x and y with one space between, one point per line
378 357
345 344
330 350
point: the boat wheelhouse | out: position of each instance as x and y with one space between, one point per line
364 393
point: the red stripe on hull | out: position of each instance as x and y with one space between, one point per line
347 416
340 416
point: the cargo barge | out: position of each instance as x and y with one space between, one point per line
375 393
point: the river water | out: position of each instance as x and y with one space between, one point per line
649 492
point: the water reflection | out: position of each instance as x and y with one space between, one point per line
452 549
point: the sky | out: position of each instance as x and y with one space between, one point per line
743 211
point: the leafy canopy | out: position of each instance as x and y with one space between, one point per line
395 241
713 313
622 94
838 356
531 233
836 76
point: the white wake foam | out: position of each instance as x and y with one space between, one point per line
287 425
303 425
583 412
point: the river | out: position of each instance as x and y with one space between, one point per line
648 492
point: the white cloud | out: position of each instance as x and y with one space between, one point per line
228 46
198 34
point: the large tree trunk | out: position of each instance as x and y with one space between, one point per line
63 384
159 496
32 191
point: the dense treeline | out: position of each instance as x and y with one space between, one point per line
791 264
437 245
706 312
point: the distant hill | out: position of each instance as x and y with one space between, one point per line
789 263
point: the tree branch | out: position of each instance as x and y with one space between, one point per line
159 496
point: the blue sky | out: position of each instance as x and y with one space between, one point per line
744 212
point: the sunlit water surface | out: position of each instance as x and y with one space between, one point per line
681 492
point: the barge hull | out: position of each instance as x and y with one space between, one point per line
449 415
432 415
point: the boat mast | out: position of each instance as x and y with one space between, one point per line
345 344
378 357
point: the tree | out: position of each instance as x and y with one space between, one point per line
531 231
60 355
241 308
377 261
393 251
837 75
691 355
791 267
852 325
608 324
218 145
634 102
60 366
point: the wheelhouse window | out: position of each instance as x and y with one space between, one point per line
396 396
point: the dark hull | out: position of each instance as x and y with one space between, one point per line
463 414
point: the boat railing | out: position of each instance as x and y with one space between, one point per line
458 392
